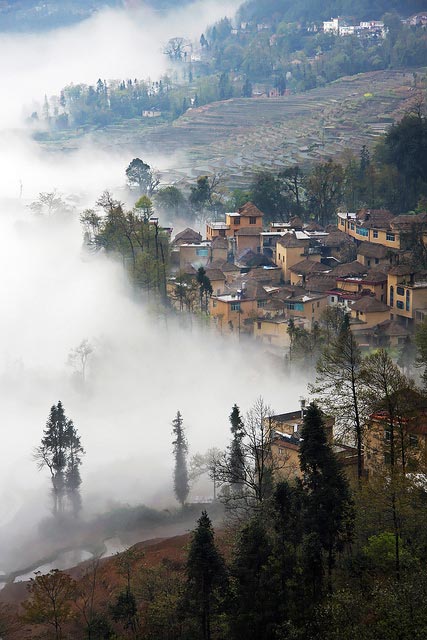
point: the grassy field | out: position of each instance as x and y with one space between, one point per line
240 135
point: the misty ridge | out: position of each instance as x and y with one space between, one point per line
144 366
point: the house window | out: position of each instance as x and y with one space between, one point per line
222 232
235 306
408 301
375 233
390 236
261 304
252 220
202 253
342 223
236 220
369 263
259 325
391 296
377 261
387 435
352 226
400 305
214 303
361 231
318 304
332 298
400 291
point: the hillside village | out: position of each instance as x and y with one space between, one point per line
264 279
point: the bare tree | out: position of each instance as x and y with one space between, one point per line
258 465
78 358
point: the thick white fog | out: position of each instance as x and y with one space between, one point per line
54 295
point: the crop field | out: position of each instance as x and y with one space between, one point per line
236 137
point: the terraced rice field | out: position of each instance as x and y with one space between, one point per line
238 136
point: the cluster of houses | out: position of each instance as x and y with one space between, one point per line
263 278
367 29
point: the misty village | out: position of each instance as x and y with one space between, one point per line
213 337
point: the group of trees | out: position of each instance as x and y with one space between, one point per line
393 176
141 245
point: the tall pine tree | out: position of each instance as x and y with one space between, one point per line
180 449
207 580
237 456
327 504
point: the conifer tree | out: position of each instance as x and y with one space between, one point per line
255 608
60 451
237 456
207 580
327 505
180 449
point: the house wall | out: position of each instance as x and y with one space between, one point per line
376 236
287 257
248 242
223 314
371 319
270 332
405 299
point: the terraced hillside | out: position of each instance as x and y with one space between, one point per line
238 135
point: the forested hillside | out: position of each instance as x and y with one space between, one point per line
322 10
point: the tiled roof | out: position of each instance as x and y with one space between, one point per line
377 218
249 209
369 304
188 235
372 250
289 241
349 269
308 266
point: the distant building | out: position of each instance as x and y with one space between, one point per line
151 113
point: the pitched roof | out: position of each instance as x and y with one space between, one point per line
406 222
377 218
337 239
349 269
249 258
225 266
296 222
308 266
369 304
289 240
393 328
249 209
214 274
314 226
319 282
188 235
372 250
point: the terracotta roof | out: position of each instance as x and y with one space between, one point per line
188 270
372 250
289 240
369 304
308 266
249 209
188 235
248 231
349 269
